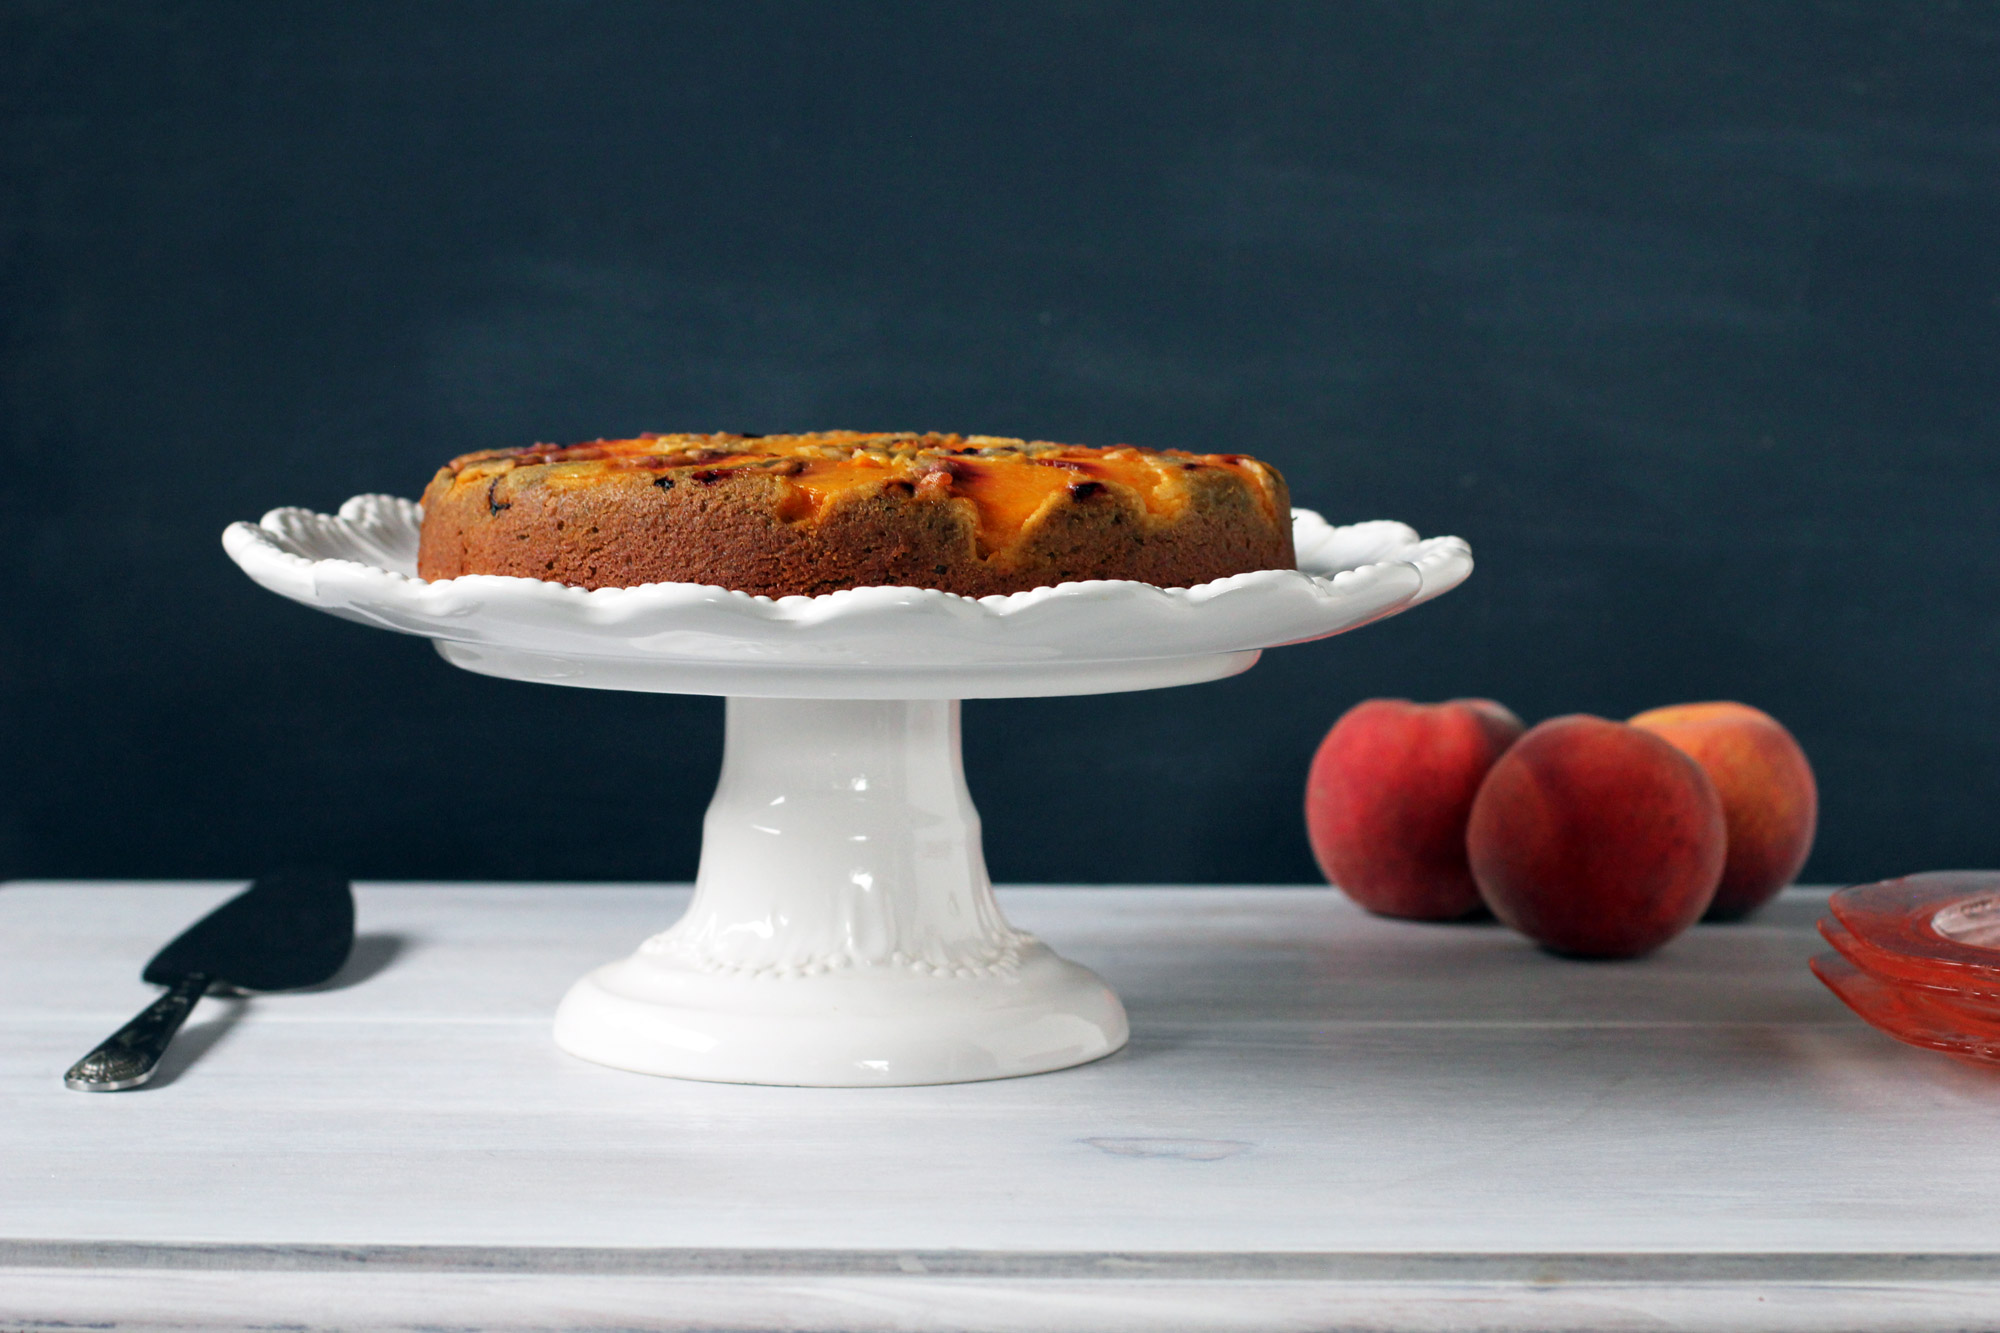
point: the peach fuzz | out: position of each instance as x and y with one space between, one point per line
1387 800
1769 799
1596 839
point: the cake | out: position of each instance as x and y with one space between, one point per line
808 514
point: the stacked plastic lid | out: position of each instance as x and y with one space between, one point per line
1919 958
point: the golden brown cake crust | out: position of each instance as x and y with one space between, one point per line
810 514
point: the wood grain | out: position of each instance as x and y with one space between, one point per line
1314 1101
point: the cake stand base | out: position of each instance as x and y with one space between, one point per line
843 931
842 1031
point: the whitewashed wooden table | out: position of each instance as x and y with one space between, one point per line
1323 1121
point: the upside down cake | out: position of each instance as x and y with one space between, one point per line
807 514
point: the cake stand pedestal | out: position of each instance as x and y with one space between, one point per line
843 931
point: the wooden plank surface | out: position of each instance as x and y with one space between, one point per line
1313 1101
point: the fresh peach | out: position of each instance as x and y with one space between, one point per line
1596 839
1387 799
1769 799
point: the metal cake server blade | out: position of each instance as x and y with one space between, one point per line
289 929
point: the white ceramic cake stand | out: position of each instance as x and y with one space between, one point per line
843 931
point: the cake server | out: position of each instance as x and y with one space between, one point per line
290 929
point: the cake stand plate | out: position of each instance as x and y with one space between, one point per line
843 931
781 680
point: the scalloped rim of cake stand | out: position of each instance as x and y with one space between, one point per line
1087 637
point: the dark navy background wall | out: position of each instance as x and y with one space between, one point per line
1687 316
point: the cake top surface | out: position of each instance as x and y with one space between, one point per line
1008 480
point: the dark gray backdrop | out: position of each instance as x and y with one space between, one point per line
1685 315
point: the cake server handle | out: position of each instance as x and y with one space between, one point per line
127 1057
